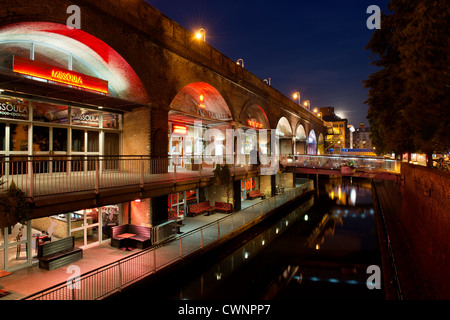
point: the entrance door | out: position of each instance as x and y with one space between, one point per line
85 226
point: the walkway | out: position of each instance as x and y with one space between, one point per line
120 268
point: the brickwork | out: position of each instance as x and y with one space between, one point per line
425 216
164 55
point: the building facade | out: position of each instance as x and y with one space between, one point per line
115 122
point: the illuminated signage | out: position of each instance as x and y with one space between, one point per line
178 129
48 72
12 110
202 100
255 124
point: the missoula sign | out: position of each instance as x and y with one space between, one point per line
12 110
45 71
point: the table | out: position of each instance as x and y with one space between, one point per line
126 236
210 211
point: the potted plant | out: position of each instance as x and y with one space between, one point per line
14 206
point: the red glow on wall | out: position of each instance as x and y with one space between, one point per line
178 129
255 124
48 72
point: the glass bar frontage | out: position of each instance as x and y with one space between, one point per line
38 128
89 227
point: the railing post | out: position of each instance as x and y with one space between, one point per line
73 290
181 249
120 278
31 175
142 173
154 260
218 230
174 171
97 176
201 238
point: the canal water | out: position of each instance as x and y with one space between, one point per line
320 250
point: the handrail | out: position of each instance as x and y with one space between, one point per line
153 250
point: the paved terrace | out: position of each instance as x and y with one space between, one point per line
105 270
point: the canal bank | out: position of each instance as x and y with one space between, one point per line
302 251
160 286
401 271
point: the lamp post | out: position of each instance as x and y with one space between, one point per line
240 62
267 81
201 34
297 95
307 103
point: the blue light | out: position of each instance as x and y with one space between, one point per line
333 280
314 279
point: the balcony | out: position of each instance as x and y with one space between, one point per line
42 176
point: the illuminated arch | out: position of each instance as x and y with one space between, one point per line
321 145
98 56
256 113
203 100
312 143
300 140
284 129
284 134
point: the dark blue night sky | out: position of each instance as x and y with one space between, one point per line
315 47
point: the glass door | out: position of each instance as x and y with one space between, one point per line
85 227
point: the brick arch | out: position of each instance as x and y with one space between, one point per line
254 107
193 93
100 56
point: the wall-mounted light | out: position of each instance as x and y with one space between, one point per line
201 34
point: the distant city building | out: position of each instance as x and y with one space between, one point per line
337 135
361 138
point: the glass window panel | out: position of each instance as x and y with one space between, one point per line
81 67
59 139
8 50
41 138
12 108
93 141
85 117
46 112
2 136
77 140
51 55
111 120
18 137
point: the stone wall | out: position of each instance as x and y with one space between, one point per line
425 216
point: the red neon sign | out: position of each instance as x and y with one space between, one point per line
255 124
178 129
52 73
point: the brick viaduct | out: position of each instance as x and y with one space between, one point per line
166 58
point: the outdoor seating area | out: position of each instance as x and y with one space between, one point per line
199 208
129 236
56 254
255 194
223 207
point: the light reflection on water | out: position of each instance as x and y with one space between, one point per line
321 249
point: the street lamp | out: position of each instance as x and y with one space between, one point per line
315 110
267 81
307 103
201 34
297 95
240 62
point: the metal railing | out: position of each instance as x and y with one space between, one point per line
54 174
367 164
113 277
